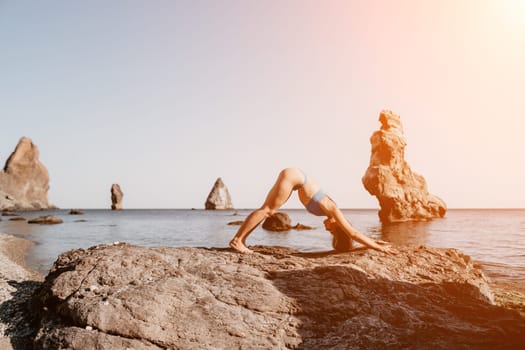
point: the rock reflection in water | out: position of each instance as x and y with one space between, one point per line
410 232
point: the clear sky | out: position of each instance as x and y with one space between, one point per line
163 97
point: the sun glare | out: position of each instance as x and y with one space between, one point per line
513 12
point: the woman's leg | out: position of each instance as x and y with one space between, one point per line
278 195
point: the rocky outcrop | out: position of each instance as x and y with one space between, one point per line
402 194
122 296
219 197
116 197
24 182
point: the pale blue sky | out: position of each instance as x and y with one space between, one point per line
163 97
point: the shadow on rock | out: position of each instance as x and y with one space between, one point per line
17 316
341 307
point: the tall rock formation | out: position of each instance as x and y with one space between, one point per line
116 197
219 197
402 194
24 182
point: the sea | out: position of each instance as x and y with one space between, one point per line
495 238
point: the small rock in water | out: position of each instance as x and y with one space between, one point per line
46 220
277 222
76 212
232 223
300 226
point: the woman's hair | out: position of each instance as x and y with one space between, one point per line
340 241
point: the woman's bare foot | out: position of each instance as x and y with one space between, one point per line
239 247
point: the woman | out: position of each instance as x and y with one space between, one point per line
316 202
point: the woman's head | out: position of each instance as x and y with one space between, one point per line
340 241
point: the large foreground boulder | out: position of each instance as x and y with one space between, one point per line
402 194
219 197
123 296
24 182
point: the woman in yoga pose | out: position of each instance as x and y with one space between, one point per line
316 202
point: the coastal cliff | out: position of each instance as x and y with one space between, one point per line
402 194
24 182
125 296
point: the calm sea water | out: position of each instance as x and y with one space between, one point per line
496 238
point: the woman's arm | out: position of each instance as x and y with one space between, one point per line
332 211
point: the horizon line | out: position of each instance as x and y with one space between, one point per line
234 209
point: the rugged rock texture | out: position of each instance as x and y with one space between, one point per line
116 197
46 220
123 296
219 197
24 183
402 194
277 222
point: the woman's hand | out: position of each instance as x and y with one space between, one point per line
386 248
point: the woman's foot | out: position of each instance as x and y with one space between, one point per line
239 247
